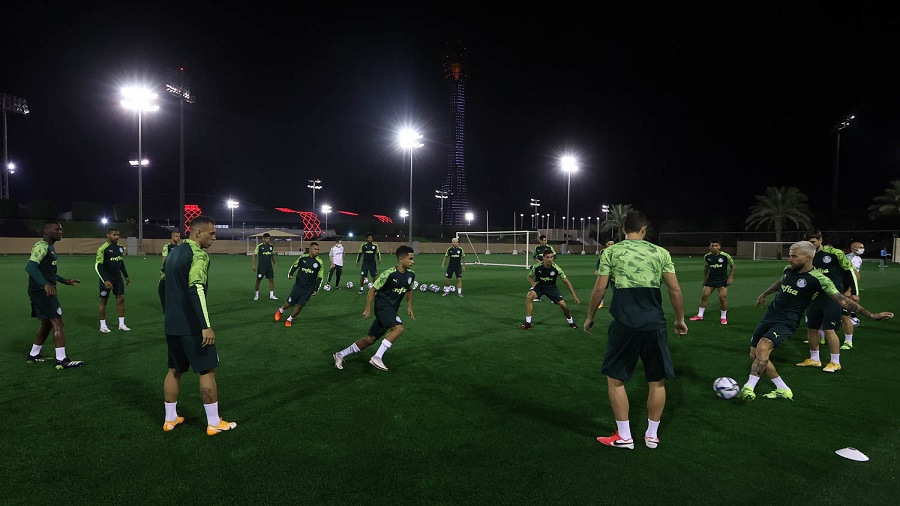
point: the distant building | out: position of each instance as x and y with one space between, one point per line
457 204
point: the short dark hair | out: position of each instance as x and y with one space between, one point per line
370 235
715 241
50 223
634 222
267 235
313 244
542 237
814 234
202 220
111 230
404 250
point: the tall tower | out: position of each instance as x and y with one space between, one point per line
457 204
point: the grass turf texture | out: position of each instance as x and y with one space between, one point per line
473 410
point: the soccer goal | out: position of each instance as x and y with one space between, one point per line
502 248
771 250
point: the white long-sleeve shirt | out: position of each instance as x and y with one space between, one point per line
337 255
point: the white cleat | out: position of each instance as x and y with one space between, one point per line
378 363
338 361
123 327
105 330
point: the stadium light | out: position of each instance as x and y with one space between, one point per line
9 103
837 152
443 195
233 204
325 210
140 100
605 209
314 184
403 214
536 203
104 221
569 166
184 95
469 217
409 139
521 220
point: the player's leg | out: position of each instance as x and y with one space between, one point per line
704 298
101 308
120 309
392 335
529 308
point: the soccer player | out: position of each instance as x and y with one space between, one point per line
824 313
110 267
543 278
175 240
609 242
263 263
308 268
387 293
800 285
638 330
542 248
190 338
849 320
336 257
884 256
718 274
456 265
370 256
42 280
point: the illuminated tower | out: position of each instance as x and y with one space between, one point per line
455 181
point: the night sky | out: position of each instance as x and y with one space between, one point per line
683 114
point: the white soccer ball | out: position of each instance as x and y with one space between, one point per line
435 288
726 387
423 287
855 321
349 284
327 287
452 288
371 285
365 281
415 285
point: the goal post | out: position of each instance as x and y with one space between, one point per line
771 250
505 248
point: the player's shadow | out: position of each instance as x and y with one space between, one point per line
580 422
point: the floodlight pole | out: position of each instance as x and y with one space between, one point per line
443 194
184 95
20 106
837 152
410 140
536 203
141 100
315 184
568 165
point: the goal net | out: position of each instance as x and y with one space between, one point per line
771 250
501 248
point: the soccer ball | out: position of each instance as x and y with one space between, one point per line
349 284
855 321
452 288
447 289
327 287
423 287
415 285
371 285
726 387
435 288
365 281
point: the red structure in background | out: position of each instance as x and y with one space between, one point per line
383 218
191 211
312 227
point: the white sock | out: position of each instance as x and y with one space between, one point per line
350 350
280 310
121 321
848 338
836 358
459 290
271 293
290 318
701 311
35 349
821 334
61 353
570 320
527 319
814 355
171 412
212 413
385 344
723 315
752 381
102 324
624 429
652 428
779 383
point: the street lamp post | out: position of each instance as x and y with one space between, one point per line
140 100
184 95
315 184
598 235
521 221
233 204
469 217
582 234
403 214
568 165
605 209
9 103
536 203
837 152
409 139
443 194
325 210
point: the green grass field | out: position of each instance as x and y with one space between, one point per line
472 411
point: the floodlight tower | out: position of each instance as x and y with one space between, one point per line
140 100
315 184
181 91
536 203
9 103
443 195
325 210
569 166
410 139
837 152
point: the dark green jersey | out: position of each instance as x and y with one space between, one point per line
797 291
391 286
546 276
308 271
263 255
167 247
41 266
718 265
834 264
187 282
540 250
368 253
636 267
110 261
455 256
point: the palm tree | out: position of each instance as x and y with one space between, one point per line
887 204
778 206
615 219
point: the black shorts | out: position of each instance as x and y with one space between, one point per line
188 351
300 295
775 331
118 288
626 345
716 284
552 292
267 272
385 319
453 270
44 307
823 314
369 268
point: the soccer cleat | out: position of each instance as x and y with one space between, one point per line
123 327
651 442
525 326
445 294
35 358
287 323
68 364
831 367
338 361
724 321
256 297
170 424
696 318
221 427
272 297
821 340
847 346
459 294
810 363
105 330
600 306
616 442
747 393
378 363
360 291
538 299
572 325
277 316
780 393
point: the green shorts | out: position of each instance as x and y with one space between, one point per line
188 351
300 295
44 307
626 345
385 319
